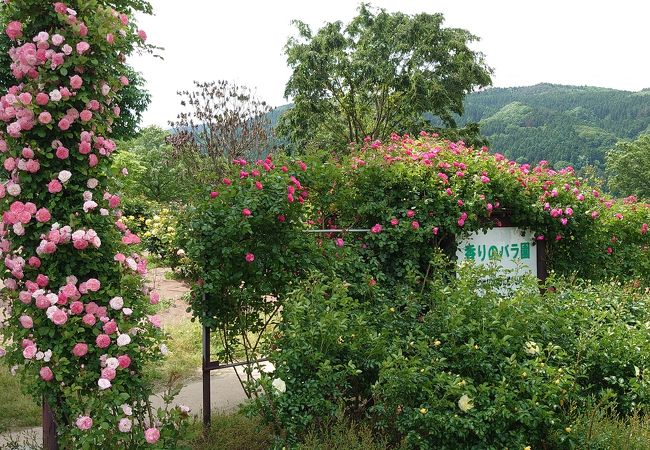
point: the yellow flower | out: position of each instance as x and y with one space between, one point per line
527 447
423 410
568 429
436 343
465 403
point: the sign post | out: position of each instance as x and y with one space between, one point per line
509 247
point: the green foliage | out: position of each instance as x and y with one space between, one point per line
154 174
462 365
377 75
627 168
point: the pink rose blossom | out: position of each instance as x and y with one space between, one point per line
125 425
85 115
376 229
152 435
59 317
415 225
46 373
80 350
103 341
249 257
246 212
89 320
26 322
76 82
124 361
14 30
84 423
82 47
29 352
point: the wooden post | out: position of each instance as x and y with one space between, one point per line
49 428
207 406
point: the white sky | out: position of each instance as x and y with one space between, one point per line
581 42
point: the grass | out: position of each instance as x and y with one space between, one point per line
232 432
237 432
600 430
16 409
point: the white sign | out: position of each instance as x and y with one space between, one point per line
508 247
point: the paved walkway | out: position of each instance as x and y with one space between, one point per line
226 391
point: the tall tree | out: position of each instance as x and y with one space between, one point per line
627 168
377 75
219 121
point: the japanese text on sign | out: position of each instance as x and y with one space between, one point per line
508 247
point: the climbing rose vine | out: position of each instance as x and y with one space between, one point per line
75 308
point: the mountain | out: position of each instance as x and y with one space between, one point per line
562 124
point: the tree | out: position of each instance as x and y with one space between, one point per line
627 167
377 75
153 173
221 121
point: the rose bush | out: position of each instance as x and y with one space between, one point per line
366 318
76 311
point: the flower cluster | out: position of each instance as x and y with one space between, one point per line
76 316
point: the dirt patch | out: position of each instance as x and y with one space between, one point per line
172 292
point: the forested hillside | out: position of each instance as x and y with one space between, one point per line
562 124
571 124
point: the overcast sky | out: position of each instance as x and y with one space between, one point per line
581 42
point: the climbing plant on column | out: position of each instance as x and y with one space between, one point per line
75 306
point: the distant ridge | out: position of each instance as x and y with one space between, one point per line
560 123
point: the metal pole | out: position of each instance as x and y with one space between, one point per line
542 270
207 407
49 428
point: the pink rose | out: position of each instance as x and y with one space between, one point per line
26 322
59 317
376 229
124 361
89 320
154 297
64 124
85 115
152 435
30 351
142 35
76 82
93 285
110 327
84 423
80 350
108 373
246 212
415 225
46 373
62 152
103 341
43 215
82 47
76 307
14 30
249 257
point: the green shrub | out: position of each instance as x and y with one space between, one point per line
461 365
